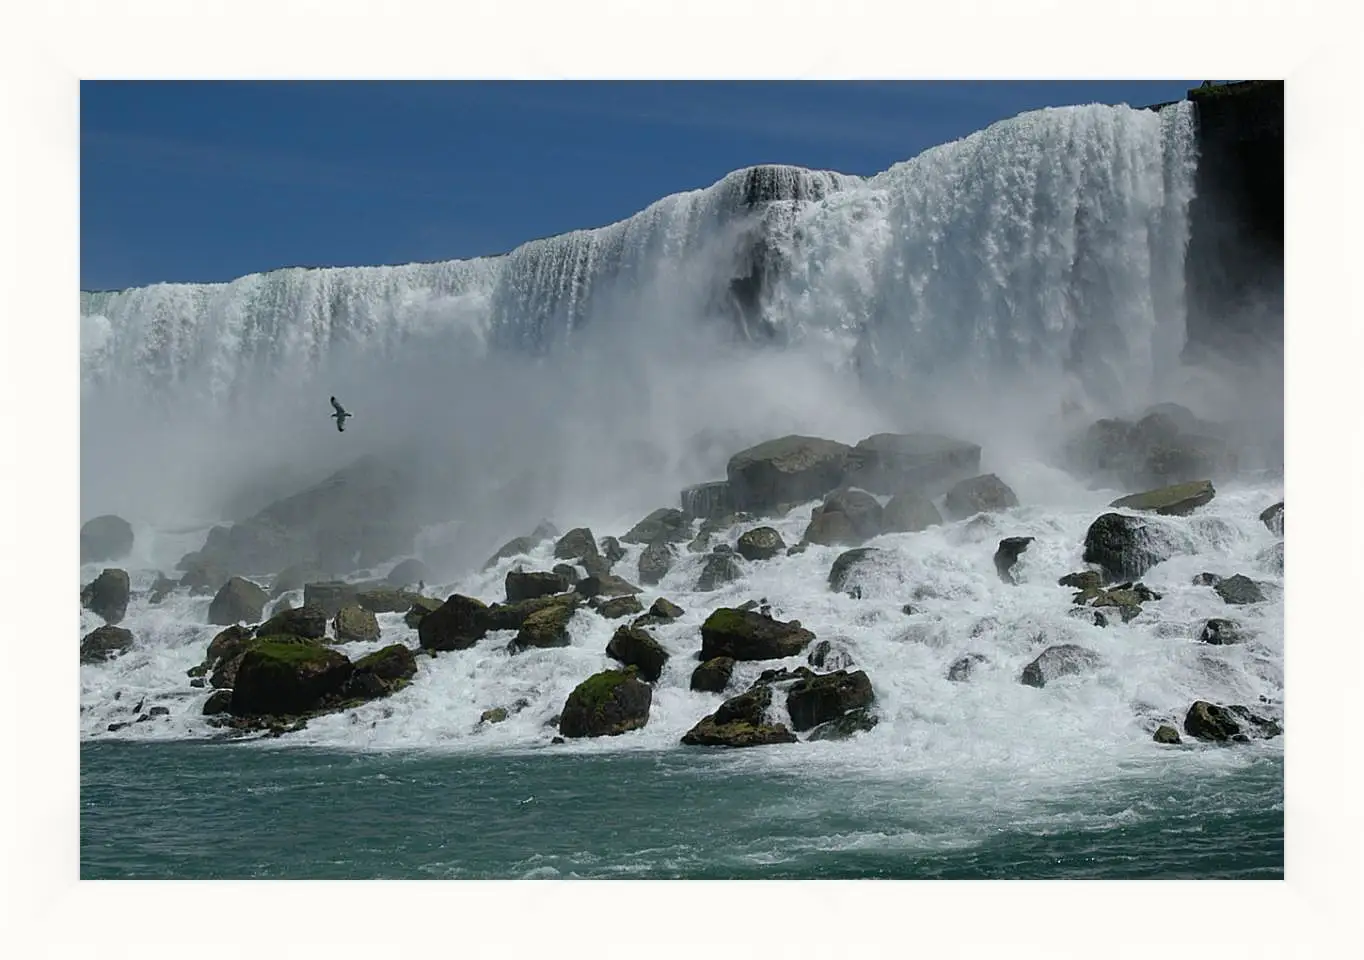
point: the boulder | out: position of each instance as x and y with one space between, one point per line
1221 632
1272 518
858 518
219 701
355 624
760 543
890 463
527 585
577 544
108 537
909 513
830 528
792 469
783 675
618 607
546 628
740 722
826 697
1218 724
1120 545
713 675
1166 734
161 588
607 704
421 606
385 600
1126 598
457 624
1161 448
1179 500
202 575
1239 590
307 622
406 573
280 677
238 600
826 656
381 673
611 550
719 569
635 647
841 574
1083 580
745 635
105 643
1206 579
666 524
568 572
961 669
1007 555
107 595
705 500
1062 660
655 562
513 616
983 494
665 609
330 595
515 547
849 724
604 585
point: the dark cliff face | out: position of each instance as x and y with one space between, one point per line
1234 264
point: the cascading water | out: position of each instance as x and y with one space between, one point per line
975 287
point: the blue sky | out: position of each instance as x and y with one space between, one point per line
206 181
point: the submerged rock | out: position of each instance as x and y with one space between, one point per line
825 656
841 573
606 704
1066 659
1166 734
105 643
961 669
635 647
109 537
791 469
841 728
745 635
238 600
740 722
984 494
1007 555
1179 500
1222 632
107 595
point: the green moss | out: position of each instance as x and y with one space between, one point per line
726 620
378 656
291 650
597 690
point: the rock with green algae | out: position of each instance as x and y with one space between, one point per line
306 621
745 635
740 722
277 677
617 607
608 704
457 624
1178 500
636 647
421 606
381 673
545 628
713 675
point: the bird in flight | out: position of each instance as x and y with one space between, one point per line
340 416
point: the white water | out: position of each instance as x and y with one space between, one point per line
972 290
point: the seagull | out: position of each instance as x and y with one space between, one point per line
340 416
522 803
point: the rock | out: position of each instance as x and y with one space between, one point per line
760 543
634 647
494 715
890 463
604 585
1126 598
1271 559
713 675
1206 579
238 600
406 573
103 538
792 469
1062 660
355 624
421 606
515 547
1272 518
1007 555
385 600
719 569
161 589
105 643
740 722
666 524
1222 632
527 585
700 543
330 595
841 573
1166 734
1084 580
825 656
606 704
107 595
655 562
798 548
783 675
281 678
745 635
291 578
962 668
577 544
665 609
1239 590
1210 722
826 697
202 576
984 494
853 722
568 572
457 624
513 616
307 622
618 607
1121 546
1178 501
382 672
1089 615
1162 448
909 513
219 701
861 508
705 500
546 628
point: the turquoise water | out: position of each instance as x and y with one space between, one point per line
184 810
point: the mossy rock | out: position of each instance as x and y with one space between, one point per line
107 595
105 643
493 715
238 600
1166 734
421 606
355 624
634 647
618 607
713 675
457 624
740 722
1179 500
531 584
760 543
309 622
606 704
745 635
512 616
1084 580
282 678
546 628
816 700
382 672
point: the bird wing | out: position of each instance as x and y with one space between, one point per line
340 424
337 407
